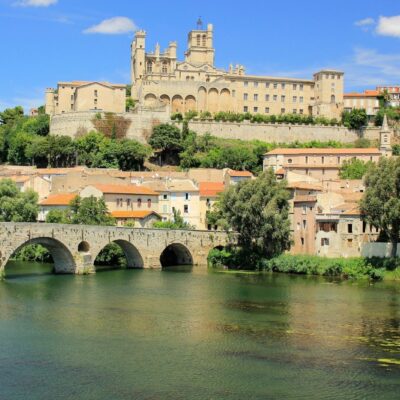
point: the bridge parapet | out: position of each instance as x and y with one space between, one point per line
75 247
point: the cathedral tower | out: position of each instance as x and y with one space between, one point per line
200 45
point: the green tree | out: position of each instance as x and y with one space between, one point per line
10 115
57 217
166 139
381 202
354 169
355 119
258 210
17 206
89 211
129 104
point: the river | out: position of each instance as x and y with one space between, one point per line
179 334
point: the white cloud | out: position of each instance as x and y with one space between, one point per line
389 26
35 3
365 22
113 26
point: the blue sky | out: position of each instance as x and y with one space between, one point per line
45 41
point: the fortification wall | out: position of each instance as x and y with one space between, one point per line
279 133
142 123
143 120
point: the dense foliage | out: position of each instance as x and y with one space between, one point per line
17 206
354 168
177 223
26 141
258 210
381 202
355 119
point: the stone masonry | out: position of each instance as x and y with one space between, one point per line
75 247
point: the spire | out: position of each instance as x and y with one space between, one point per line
199 24
385 125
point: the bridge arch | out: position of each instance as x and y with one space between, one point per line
64 262
133 257
176 254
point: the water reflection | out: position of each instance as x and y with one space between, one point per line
193 334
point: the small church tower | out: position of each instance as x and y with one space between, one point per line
385 147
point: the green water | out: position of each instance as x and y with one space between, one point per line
195 335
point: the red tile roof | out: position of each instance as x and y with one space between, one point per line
367 93
133 214
60 199
211 189
125 189
313 151
232 172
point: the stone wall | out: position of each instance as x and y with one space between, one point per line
75 247
142 122
279 133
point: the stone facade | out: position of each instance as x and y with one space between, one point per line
196 84
75 247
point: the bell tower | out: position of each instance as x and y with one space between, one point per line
385 135
138 57
200 45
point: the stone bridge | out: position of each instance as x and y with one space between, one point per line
74 248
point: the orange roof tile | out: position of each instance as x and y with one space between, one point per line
211 189
232 172
125 189
328 151
367 93
133 214
60 199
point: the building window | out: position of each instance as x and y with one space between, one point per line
139 203
294 86
165 197
302 241
283 85
256 97
164 68
266 110
198 40
323 160
245 109
349 228
128 202
267 97
338 160
324 242
294 111
301 111
95 93
245 96
275 97
304 224
289 160
148 203
150 67
186 209
187 196
283 111
283 98
72 106
306 159
301 86
95 101
204 40
301 99
333 99
294 99
255 84
267 85
245 83
275 86
255 109
349 242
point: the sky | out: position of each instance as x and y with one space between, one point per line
46 41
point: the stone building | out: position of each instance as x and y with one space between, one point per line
197 84
78 96
368 100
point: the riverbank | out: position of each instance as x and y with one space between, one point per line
345 268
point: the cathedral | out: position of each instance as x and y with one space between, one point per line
197 84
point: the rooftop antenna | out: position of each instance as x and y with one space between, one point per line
199 24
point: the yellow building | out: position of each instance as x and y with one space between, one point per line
196 84
80 96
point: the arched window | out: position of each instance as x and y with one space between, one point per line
198 40
149 67
204 40
289 161
148 203
333 99
164 68
139 203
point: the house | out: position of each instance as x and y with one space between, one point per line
232 177
209 192
136 219
59 201
123 197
